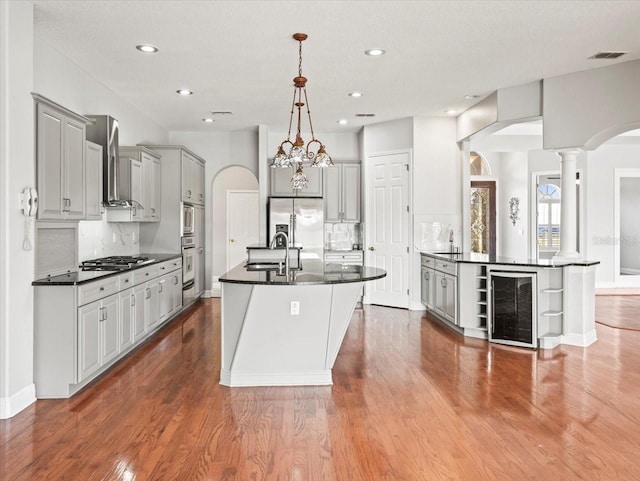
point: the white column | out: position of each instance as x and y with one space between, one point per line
568 207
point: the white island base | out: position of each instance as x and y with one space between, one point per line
265 343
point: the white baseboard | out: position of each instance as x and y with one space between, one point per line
247 379
216 290
11 406
580 340
206 294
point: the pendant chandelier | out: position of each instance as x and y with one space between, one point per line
298 152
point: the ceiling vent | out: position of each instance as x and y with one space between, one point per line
607 55
365 115
221 112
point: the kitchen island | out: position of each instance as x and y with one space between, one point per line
286 329
460 290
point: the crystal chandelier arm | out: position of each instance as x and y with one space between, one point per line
306 100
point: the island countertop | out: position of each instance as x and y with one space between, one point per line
313 272
473 258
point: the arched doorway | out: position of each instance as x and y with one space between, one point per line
229 180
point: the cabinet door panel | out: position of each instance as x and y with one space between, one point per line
93 181
139 306
89 339
138 191
110 342
49 146
332 194
152 304
155 197
350 192
125 336
73 169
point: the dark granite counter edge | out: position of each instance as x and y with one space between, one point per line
239 275
159 258
514 262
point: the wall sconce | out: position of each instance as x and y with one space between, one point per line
514 210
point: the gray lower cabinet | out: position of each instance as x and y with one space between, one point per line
439 288
81 330
98 345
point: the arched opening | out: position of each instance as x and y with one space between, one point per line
478 164
230 179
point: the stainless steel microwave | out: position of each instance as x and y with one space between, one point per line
188 216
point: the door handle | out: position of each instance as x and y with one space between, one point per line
372 248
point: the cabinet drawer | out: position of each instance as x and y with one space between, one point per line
169 266
445 266
427 261
350 258
146 273
97 290
126 280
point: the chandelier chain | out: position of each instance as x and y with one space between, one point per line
306 101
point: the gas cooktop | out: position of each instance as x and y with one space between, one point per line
114 263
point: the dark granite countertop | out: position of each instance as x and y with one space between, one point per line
81 277
473 258
312 272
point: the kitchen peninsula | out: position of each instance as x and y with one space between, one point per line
535 303
286 329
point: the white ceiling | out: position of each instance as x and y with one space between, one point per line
239 55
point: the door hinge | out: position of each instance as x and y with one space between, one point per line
407 166
407 208
407 249
407 291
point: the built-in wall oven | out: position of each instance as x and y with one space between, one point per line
188 219
188 270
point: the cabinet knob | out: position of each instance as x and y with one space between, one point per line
101 289
232 240
126 281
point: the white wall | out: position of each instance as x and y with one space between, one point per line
62 81
513 182
584 109
17 170
601 243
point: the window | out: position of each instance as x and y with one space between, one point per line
478 164
548 217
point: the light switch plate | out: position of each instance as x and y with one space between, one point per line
295 308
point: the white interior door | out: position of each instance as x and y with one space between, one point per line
243 224
387 228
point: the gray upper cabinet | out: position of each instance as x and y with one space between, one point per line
60 161
93 178
281 182
342 193
192 172
150 190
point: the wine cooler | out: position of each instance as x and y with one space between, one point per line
513 318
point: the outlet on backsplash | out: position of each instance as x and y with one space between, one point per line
342 236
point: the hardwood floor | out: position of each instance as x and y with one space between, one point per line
411 400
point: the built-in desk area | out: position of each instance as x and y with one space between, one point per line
475 293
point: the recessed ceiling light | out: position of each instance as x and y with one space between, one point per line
184 92
469 97
355 94
375 52
207 120
342 121
146 48
451 111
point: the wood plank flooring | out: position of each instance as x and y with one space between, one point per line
411 400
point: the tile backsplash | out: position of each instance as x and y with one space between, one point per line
341 236
102 238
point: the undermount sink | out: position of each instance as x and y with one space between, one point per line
267 266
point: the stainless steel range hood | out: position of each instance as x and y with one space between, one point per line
104 131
